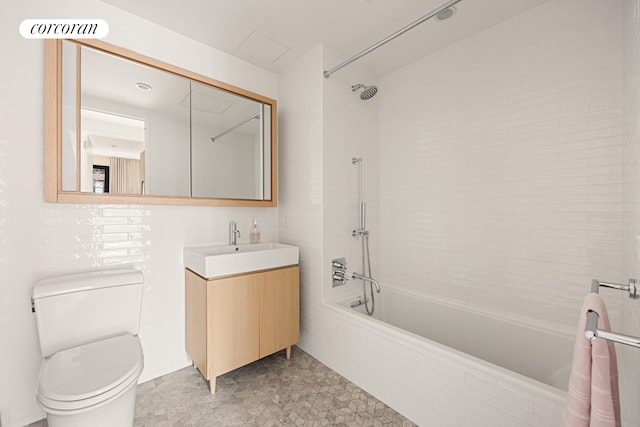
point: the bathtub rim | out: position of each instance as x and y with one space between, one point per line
484 369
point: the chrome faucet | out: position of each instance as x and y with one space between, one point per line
366 279
234 233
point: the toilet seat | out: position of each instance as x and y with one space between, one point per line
85 376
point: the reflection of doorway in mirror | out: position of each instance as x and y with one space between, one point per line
115 143
100 179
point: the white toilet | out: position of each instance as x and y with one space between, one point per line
92 358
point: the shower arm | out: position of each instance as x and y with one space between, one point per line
327 73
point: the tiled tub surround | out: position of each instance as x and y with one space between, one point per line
463 368
504 155
508 178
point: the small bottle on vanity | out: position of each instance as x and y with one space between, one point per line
254 234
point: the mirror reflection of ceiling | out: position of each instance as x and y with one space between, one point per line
161 91
112 135
273 35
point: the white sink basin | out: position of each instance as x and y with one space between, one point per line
226 260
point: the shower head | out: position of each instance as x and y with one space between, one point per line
368 92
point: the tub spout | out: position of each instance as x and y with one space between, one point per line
366 279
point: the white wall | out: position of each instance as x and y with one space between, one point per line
300 182
503 168
629 358
39 239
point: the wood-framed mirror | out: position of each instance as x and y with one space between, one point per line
124 128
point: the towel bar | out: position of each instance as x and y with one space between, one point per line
591 330
632 287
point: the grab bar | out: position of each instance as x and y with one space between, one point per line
591 330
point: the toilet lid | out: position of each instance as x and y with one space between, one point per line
91 372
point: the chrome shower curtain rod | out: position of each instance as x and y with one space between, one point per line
213 138
327 73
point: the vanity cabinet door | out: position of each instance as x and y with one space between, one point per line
279 310
233 323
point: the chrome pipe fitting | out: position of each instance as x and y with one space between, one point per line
359 232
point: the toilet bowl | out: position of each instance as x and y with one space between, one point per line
91 354
92 384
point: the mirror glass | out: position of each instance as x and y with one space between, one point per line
226 144
134 120
129 128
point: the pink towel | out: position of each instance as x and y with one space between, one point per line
592 400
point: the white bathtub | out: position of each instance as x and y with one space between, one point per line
500 373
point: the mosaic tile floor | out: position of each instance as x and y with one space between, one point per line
270 392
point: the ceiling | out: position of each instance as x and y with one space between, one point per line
273 34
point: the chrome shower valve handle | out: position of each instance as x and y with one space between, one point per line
339 272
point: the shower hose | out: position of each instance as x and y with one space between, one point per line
366 262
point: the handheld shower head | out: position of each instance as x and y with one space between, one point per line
368 92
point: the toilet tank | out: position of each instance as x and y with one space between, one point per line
76 309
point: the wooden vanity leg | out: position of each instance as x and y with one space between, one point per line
212 385
288 350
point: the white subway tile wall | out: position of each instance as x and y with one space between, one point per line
501 166
509 171
5 303
300 184
629 358
95 236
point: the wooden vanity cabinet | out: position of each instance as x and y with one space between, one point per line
233 321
